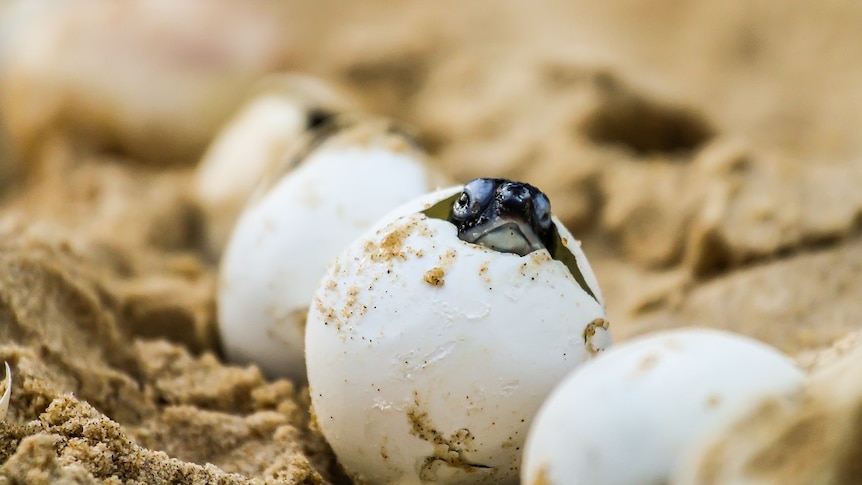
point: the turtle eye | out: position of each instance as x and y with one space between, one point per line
475 197
461 207
542 211
463 200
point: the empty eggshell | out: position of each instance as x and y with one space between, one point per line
256 141
627 416
428 355
348 176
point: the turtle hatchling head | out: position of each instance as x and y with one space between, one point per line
503 215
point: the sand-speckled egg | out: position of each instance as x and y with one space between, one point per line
629 415
434 338
350 172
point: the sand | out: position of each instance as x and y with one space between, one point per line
706 153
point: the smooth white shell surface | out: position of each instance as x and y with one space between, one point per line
627 416
284 239
7 393
428 356
254 142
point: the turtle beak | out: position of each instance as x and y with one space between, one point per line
508 235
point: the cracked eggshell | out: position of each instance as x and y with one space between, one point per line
285 237
428 356
255 142
627 416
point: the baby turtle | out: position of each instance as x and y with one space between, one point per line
510 217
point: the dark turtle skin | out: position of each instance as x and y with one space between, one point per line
506 216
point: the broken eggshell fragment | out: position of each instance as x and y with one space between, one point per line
428 355
346 176
627 416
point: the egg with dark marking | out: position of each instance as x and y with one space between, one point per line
350 172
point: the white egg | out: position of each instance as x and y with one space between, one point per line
7 393
350 176
254 142
428 355
627 416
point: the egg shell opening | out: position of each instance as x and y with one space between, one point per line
284 239
628 415
432 199
428 356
